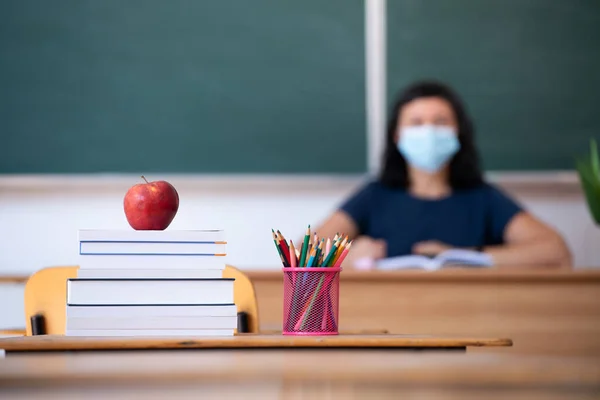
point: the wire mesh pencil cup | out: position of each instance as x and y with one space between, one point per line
311 301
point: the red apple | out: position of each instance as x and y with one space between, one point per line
151 205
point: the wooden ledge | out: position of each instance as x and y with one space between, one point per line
14 278
563 183
244 341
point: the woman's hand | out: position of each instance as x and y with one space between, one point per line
365 248
430 248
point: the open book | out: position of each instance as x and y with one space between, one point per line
454 257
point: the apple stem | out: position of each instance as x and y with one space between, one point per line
144 178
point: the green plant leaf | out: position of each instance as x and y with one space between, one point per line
591 186
595 162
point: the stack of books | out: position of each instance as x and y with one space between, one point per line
151 283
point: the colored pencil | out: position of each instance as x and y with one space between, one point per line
319 257
316 293
340 250
330 255
284 248
283 260
318 254
344 254
294 260
311 247
311 258
304 248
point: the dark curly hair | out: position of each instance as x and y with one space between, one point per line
465 171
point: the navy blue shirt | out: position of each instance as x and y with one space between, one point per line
466 218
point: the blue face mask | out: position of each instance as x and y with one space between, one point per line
428 147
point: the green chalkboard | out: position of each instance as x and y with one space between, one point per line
529 71
192 86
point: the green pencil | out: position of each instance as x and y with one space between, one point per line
304 248
330 256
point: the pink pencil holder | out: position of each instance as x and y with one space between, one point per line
311 299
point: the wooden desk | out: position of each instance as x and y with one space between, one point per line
357 374
544 312
245 341
19 279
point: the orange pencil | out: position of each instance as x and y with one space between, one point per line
312 244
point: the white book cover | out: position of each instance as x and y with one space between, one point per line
153 248
149 273
454 257
192 310
111 323
143 261
130 235
149 332
149 291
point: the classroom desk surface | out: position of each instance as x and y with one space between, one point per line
543 311
245 341
459 274
347 374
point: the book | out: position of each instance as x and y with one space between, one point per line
149 332
99 235
453 257
152 248
110 323
144 261
139 311
149 291
149 273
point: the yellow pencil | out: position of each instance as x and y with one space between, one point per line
313 243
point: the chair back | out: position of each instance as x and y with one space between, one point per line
46 295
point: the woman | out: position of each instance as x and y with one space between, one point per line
431 196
